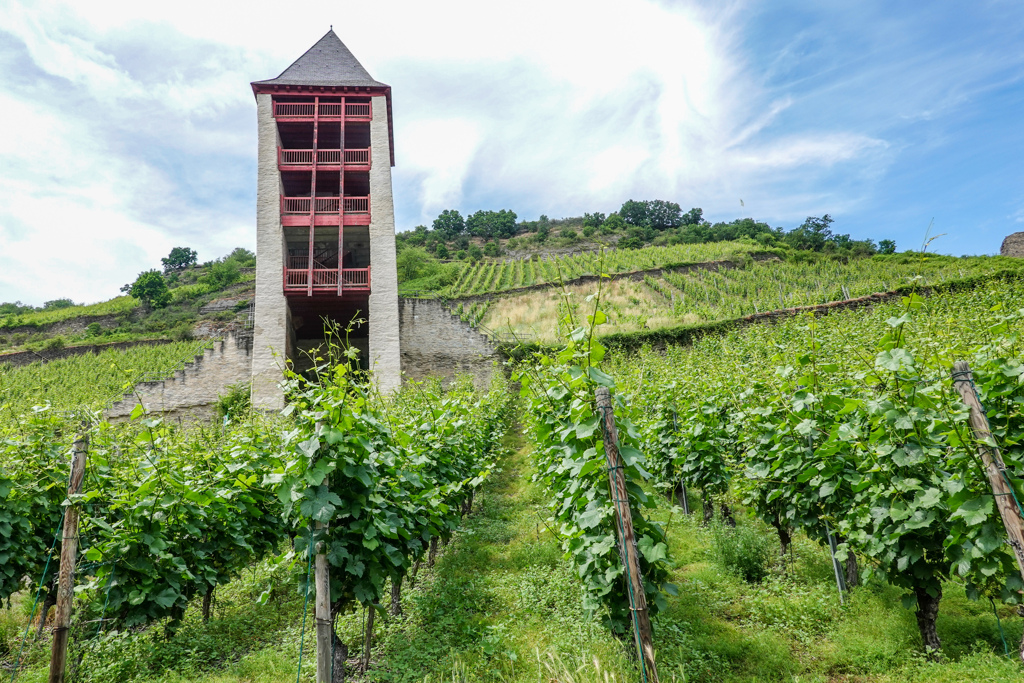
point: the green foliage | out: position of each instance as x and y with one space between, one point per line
179 259
743 550
87 381
571 466
656 214
449 224
886 247
474 253
383 485
151 289
488 224
414 263
235 403
220 274
57 304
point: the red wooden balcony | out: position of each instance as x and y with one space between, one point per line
328 110
296 159
297 277
327 205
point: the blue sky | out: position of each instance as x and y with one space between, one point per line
132 125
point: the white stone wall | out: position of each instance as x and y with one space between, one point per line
270 332
436 343
193 391
385 356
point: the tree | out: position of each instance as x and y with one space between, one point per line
694 216
179 259
492 249
242 256
488 224
656 213
58 304
414 263
449 224
633 212
150 289
441 251
886 247
474 253
615 223
593 219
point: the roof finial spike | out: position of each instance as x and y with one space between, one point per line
332 27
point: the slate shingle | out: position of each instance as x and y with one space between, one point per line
328 62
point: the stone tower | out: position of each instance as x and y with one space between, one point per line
325 218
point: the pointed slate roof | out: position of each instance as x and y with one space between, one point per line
328 62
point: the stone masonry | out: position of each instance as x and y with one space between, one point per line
385 359
193 391
270 331
1013 245
436 343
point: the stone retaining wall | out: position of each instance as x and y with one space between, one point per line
193 391
436 343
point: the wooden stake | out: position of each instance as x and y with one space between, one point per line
68 557
627 539
323 615
368 641
994 466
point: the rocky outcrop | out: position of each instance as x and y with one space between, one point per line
1013 245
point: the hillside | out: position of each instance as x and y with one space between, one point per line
665 287
203 301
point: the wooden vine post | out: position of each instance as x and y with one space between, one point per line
68 558
322 582
994 466
627 539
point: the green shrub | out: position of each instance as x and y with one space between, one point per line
744 551
415 263
235 402
151 289
54 344
589 230
221 274
93 330
182 332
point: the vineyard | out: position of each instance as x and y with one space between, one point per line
699 296
807 500
90 381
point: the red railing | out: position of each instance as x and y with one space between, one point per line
357 156
324 204
351 278
357 110
355 278
304 110
357 205
304 157
332 109
293 109
286 157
